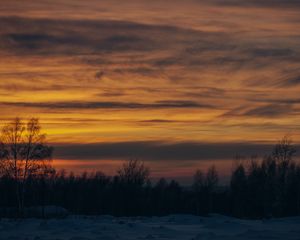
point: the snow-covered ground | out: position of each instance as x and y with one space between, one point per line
169 227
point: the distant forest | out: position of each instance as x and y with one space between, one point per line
259 188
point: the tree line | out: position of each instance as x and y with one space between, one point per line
259 188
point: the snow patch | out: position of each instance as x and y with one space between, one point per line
169 227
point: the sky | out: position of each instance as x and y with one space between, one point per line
178 84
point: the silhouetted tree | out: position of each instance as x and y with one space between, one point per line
212 179
284 151
198 181
283 154
238 188
260 188
134 172
269 187
198 188
159 196
204 187
23 154
211 182
132 177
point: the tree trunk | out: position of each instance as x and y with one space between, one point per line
19 201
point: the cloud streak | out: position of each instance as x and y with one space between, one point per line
109 105
266 111
50 37
160 151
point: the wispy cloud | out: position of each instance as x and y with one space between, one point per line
101 71
265 111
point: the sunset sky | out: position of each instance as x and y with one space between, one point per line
179 84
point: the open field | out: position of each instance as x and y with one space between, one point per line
169 227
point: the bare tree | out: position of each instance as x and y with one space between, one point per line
283 154
199 180
238 190
23 154
208 180
134 172
284 150
212 178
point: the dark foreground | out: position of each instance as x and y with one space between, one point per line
169 227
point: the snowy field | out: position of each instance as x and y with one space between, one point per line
170 227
